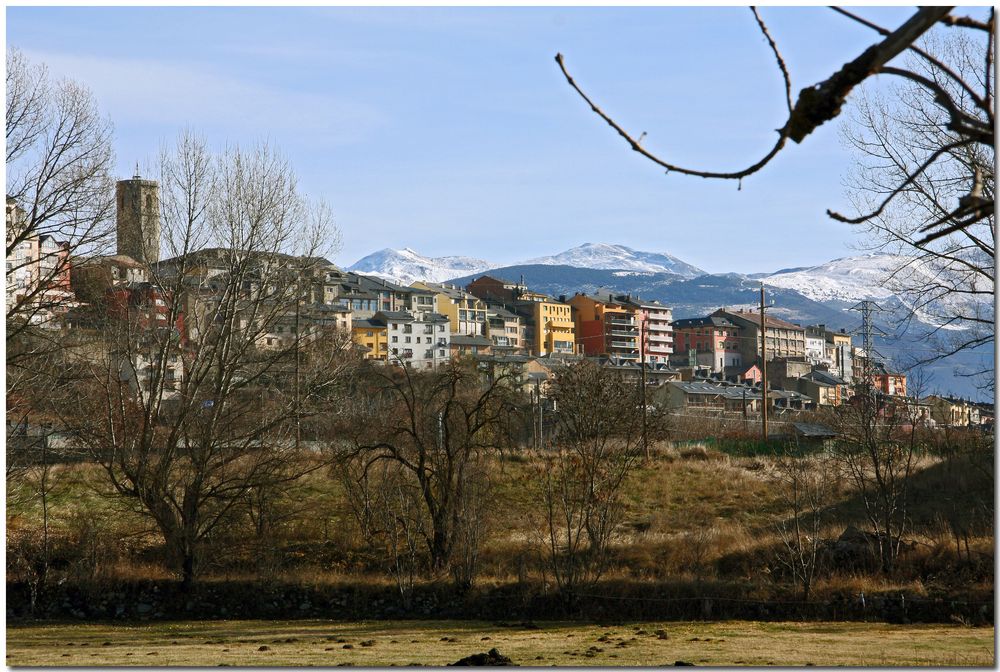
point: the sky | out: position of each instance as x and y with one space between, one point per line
452 131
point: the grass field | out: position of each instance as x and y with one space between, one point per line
385 643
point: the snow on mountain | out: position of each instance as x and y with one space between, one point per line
845 279
619 257
406 265
889 278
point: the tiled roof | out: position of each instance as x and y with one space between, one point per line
710 320
754 318
463 339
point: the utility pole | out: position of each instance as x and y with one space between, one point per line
763 366
541 427
642 382
534 427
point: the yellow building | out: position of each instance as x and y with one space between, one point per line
373 337
466 313
549 326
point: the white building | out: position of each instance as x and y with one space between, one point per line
816 351
421 340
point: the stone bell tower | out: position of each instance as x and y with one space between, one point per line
139 219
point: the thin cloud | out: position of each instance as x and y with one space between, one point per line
155 92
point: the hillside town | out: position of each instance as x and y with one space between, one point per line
517 430
712 364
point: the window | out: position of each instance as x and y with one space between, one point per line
395 339
369 334
441 328
406 339
440 353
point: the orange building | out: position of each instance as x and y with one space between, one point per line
606 327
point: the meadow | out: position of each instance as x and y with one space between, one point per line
390 643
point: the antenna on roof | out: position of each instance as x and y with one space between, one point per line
136 176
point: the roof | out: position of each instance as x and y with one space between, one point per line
754 318
500 311
496 278
505 358
394 315
710 320
451 291
464 339
824 377
366 324
814 431
788 394
326 308
633 301
729 391
607 300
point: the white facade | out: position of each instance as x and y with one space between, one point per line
421 340
658 333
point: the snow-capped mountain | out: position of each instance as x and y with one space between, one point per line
844 279
891 279
606 256
406 265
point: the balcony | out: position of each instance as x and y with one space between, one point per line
627 345
621 320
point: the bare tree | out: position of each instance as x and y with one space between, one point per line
439 427
59 200
59 195
189 403
912 168
881 440
386 503
805 486
597 445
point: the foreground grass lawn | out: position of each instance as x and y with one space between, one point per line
383 643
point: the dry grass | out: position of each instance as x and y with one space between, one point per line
328 643
692 513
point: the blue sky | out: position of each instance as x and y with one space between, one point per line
451 130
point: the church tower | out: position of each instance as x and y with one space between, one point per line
139 219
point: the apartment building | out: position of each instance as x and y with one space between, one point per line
606 327
548 326
653 319
839 353
493 289
504 328
711 341
466 312
783 339
371 336
420 340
